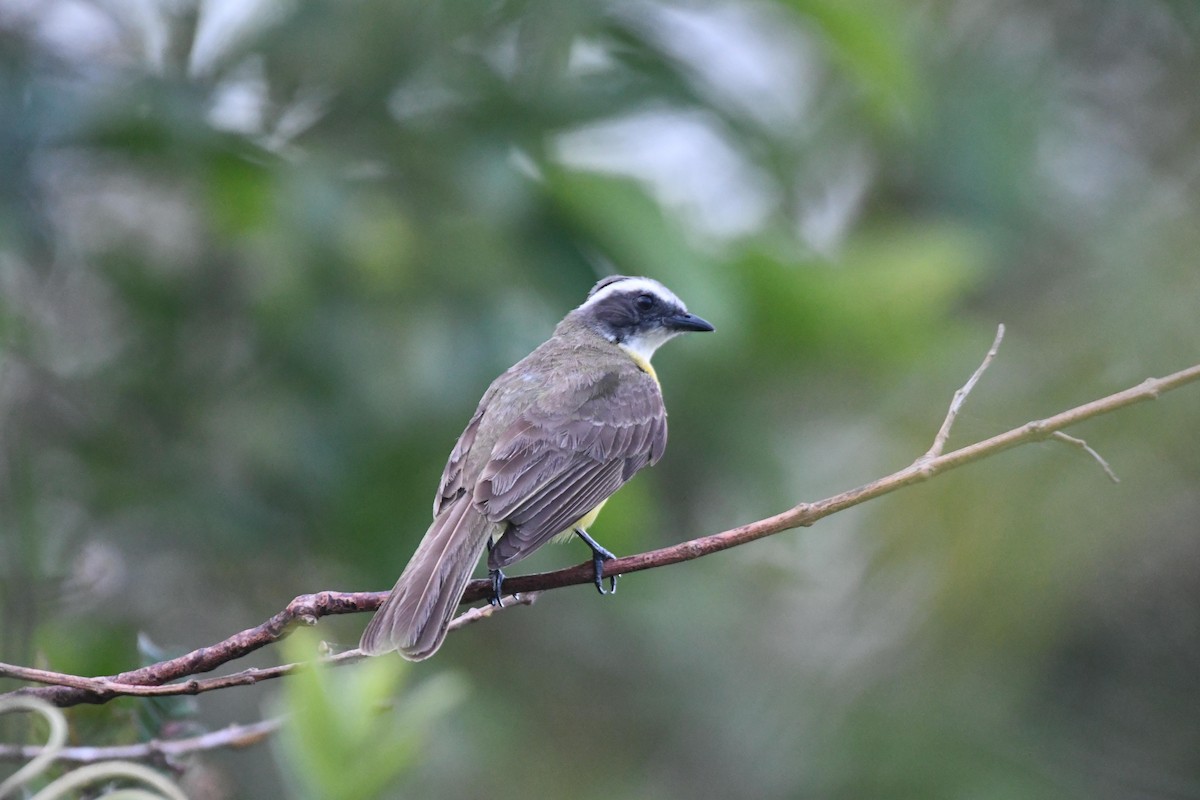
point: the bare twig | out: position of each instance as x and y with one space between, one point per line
106 687
806 514
308 608
960 397
473 615
156 750
1085 447
305 609
164 751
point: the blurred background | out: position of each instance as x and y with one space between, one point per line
258 261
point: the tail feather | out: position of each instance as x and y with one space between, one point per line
414 618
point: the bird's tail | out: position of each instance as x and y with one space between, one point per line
414 618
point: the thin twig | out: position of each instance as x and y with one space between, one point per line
1085 447
308 608
303 610
155 750
105 687
805 514
960 397
473 615
163 751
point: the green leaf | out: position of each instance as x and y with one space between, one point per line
348 737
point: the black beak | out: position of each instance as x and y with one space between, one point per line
688 322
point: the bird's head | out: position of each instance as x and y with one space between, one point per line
639 314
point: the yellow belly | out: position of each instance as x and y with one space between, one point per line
584 522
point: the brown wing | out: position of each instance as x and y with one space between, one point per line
555 464
452 476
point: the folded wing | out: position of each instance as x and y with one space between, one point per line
556 463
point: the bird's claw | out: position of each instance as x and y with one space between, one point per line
598 568
599 556
497 582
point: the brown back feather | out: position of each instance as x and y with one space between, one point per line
555 464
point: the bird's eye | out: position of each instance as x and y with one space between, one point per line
645 302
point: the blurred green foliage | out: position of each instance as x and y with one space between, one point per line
258 260
343 739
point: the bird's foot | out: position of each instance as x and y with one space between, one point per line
599 556
497 578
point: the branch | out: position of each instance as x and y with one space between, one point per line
1085 447
805 514
960 397
306 609
163 751
167 752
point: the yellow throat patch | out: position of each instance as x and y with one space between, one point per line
642 362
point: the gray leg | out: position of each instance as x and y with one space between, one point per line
599 556
497 578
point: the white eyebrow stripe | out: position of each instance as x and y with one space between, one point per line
635 286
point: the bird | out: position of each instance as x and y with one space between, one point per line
552 438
